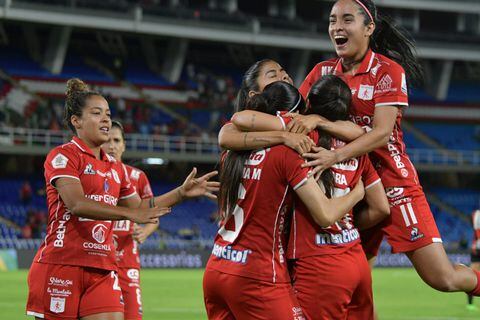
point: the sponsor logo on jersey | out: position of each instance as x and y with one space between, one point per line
346 236
397 158
121 225
115 176
133 274
385 84
347 165
252 173
415 235
393 193
99 233
57 305
89 169
106 198
297 313
326 70
61 230
228 253
59 292
135 175
59 161
54 281
256 158
365 92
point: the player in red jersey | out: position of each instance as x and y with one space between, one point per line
246 276
331 258
475 251
73 274
372 55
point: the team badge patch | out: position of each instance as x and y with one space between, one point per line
57 305
404 84
99 233
365 92
59 161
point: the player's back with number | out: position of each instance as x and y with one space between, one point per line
252 242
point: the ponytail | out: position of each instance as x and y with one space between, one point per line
392 42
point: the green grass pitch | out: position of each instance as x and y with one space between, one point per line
177 294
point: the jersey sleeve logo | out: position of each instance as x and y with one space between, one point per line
59 161
385 84
89 169
404 84
365 92
135 175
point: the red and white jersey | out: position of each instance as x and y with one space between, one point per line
476 232
378 82
253 242
126 248
307 238
72 240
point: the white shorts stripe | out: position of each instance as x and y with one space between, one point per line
437 240
412 214
35 314
404 214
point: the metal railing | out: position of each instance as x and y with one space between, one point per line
39 141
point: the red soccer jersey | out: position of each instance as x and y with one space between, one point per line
378 82
307 238
253 241
476 232
126 247
72 240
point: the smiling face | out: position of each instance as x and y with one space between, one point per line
94 123
348 32
270 72
115 146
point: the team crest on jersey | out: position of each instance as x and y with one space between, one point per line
57 305
99 233
135 175
89 169
365 92
256 158
59 161
115 176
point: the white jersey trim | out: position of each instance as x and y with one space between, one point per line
301 183
35 314
274 275
373 183
396 103
437 240
63 176
79 147
128 196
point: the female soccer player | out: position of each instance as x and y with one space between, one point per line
372 56
74 272
331 258
246 276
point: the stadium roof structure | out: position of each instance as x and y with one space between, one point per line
139 21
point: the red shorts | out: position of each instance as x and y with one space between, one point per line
230 297
71 292
334 287
130 284
411 226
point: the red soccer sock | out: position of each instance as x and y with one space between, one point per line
476 292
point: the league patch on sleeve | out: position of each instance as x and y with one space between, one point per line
59 161
404 84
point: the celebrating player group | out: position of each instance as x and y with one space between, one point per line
304 213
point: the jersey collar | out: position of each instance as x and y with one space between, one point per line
85 149
365 66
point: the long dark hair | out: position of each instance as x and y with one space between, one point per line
393 42
277 97
76 98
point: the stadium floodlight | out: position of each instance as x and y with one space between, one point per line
154 161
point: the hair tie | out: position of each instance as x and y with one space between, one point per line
366 9
296 104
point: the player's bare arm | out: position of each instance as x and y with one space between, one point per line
376 207
71 192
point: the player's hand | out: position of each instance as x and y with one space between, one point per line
195 187
298 142
139 233
148 215
320 159
302 124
